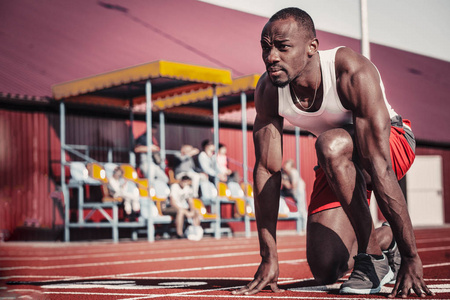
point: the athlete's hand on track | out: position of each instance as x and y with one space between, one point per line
267 275
410 278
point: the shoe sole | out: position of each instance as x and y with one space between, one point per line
387 278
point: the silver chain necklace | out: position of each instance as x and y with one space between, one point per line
315 94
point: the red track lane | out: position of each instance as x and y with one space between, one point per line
181 269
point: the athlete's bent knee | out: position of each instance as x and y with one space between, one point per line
334 144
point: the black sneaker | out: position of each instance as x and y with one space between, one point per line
394 259
368 276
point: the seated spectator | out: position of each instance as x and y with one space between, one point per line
181 204
186 167
222 163
119 186
297 188
208 163
141 150
286 185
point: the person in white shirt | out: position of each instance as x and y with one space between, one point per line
118 186
181 204
186 167
208 162
297 187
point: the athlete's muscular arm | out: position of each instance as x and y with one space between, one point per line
359 89
267 136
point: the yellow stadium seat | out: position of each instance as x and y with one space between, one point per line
129 172
236 195
248 189
97 172
198 205
223 190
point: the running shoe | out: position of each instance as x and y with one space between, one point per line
393 256
394 259
368 276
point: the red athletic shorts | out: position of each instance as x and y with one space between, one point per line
402 156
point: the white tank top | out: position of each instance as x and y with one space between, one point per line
331 114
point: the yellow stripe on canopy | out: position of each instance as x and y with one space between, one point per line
184 73
241 84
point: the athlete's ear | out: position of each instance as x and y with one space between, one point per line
313 46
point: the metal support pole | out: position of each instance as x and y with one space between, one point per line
244 157
162 138
110 155
62 129
244 136
365 43
148 118
297 148
115 225
299 222
132 155
215 104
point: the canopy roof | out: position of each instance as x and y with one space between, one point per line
198 102
116 88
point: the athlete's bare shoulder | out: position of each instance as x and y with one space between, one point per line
354 73
266 98
349 62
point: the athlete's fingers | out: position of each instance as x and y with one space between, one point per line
246 288
240 291
418 291
406 290
274 287
262 284
395 290
427 290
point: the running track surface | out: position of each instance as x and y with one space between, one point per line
182 269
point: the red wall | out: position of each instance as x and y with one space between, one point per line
24 169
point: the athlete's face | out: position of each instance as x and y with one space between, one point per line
284 50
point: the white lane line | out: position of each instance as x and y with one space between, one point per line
127 275
118 250
292 280
210 268
98 253
94 294
437 265
191 278
34 276
129 253
434 249
98 247
69 278
443 239
187 294
140 247
140 261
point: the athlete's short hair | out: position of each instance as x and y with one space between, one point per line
302 17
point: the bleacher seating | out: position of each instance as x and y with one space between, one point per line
97 174
152 197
